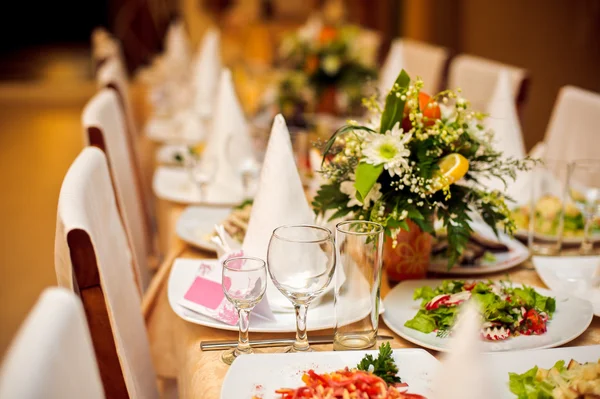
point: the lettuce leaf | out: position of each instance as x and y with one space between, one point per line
422 322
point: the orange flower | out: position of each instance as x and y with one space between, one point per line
312 63
327 34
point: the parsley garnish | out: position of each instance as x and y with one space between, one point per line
383 367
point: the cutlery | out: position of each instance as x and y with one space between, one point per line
265 343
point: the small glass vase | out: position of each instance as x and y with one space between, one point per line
410 257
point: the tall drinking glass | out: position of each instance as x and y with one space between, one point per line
584 193
301 263
546 221
244 284
359 246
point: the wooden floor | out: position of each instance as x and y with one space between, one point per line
40 135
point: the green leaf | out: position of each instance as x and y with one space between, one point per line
422 322
384 365
366 177
394 105
343 129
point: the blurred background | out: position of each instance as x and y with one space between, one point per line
46 76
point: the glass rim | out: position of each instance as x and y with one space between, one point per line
378 226
252 258
312 226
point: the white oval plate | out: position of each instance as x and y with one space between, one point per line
519 362
261 374
197 223
571 275
321 316
173 184
517 254
571 319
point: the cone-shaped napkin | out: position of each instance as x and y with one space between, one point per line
504 121
206 72
177 48
229 146
393 64
464 372
280 200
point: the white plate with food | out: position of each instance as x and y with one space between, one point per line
261 375
514 371
573 275
174 184
533 318
321 315
485 253
196 225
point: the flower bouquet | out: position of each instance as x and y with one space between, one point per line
333 61
418 160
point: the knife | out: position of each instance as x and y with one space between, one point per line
265 343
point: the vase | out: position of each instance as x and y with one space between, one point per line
328 101
409 258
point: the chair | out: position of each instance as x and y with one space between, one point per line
477 78
52 355
104 128
419 59
92 258
573 128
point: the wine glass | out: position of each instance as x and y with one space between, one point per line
244 284
584 193
248 172
200 174
301 263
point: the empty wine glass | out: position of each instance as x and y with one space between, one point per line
248 172
584 193
301 263
244 284
201 174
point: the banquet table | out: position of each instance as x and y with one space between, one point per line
175 343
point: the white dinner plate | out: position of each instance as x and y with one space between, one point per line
320 316
174 184
571 275
261 374
519 362
571 318
196 224
517 254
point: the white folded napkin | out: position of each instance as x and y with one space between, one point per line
229 149
393 64
464 372
504 121
178 54
207 70
280 200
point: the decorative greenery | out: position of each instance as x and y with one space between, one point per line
383 366
420 158
320 56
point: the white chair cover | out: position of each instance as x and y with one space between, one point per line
418 59
52 355
87 203
573 127
103 112
477 78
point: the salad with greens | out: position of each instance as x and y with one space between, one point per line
507 310
573 381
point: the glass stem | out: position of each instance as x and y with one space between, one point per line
301 343
586 244
243 322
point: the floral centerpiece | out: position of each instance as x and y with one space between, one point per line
332 61
419 159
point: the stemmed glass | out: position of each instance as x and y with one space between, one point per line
244 284
584 192
201 175
301 263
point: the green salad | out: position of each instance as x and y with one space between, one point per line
507 310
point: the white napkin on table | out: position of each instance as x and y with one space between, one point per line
229 146
280 200
504 121
207 70
464 372
177 46
393 64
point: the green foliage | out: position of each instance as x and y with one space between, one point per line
394 104
384 365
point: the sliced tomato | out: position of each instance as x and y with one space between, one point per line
534 323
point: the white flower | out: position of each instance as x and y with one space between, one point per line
331 64
390 150
347 187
